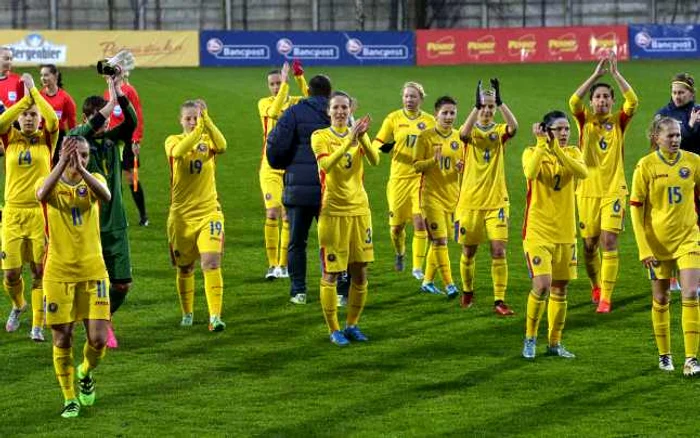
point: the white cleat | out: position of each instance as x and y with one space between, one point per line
418 274
342 301
271 273
666 362
37 334
298 299
691 368
281 272
13 319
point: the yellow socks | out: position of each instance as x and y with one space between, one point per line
690 318
535 309
37 308
16 292
63 365
329 304
284 244
91 357
356 302
420 246
214 290
185 290
499 276
466 270
661 320
399 241
272 235
608 274
556 315
442 258
593 267
430 266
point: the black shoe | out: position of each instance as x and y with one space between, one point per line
143 222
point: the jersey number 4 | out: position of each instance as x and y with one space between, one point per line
25 158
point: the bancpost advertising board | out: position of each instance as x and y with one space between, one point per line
222 48
519 45
660 41
81 48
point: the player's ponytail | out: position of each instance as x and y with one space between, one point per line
655 127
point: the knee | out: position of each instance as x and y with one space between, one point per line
439 242
186 270
13 276
397 230
98 340
469 251
541 291
609 243
273 213
589 248
211 262
37 283
498 252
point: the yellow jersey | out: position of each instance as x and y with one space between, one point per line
601 139
484 180
664 187
439 188
403 128
342 187
270 109
550 212
192 170
72 218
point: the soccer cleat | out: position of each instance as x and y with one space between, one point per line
339 339
595 294
666 362
398 263
502 309
111 339
86 387
466 300
71 409
298 299
281 272
186 320
603 307
37 334
529 348
418 274
691 368
675 285
271 273
216 324
342 300
559 350
13 319
430 288
452 291
353 333
144 222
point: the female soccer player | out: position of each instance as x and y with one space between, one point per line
398 135
665 226
601 197
482 210
59 99
439 158
196 222
11 86
345 223
75 280
28 152
552 168
271 181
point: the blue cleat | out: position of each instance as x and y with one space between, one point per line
529 347
339 339
452 291
353 333
430 288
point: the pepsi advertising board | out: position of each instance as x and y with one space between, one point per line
221 48
659 41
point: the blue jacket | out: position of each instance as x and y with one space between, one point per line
690 137
289 148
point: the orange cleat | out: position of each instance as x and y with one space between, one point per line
466 300
603 307
502 309
595 294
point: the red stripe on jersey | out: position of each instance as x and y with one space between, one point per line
264 143
624 120
322 178
319 156
323 259
636 204
528 199
379 140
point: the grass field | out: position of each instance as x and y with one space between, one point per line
430 369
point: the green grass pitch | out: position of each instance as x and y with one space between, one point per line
430 369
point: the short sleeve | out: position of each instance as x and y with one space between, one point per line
386 132
640 187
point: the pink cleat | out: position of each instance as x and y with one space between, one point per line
111 339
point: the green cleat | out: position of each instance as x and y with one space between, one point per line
86 386
216 324
71 409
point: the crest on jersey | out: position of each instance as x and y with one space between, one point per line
493 136
331 257
454 145
608 126
202 147
52 307
536 260
268 196
82 191
684 172
421 125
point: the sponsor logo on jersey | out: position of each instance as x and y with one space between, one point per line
384 51
35 49
684 172
12 96
289 50
117 111
219 50
665 44
454 145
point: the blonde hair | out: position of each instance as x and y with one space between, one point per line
657 124
418 87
